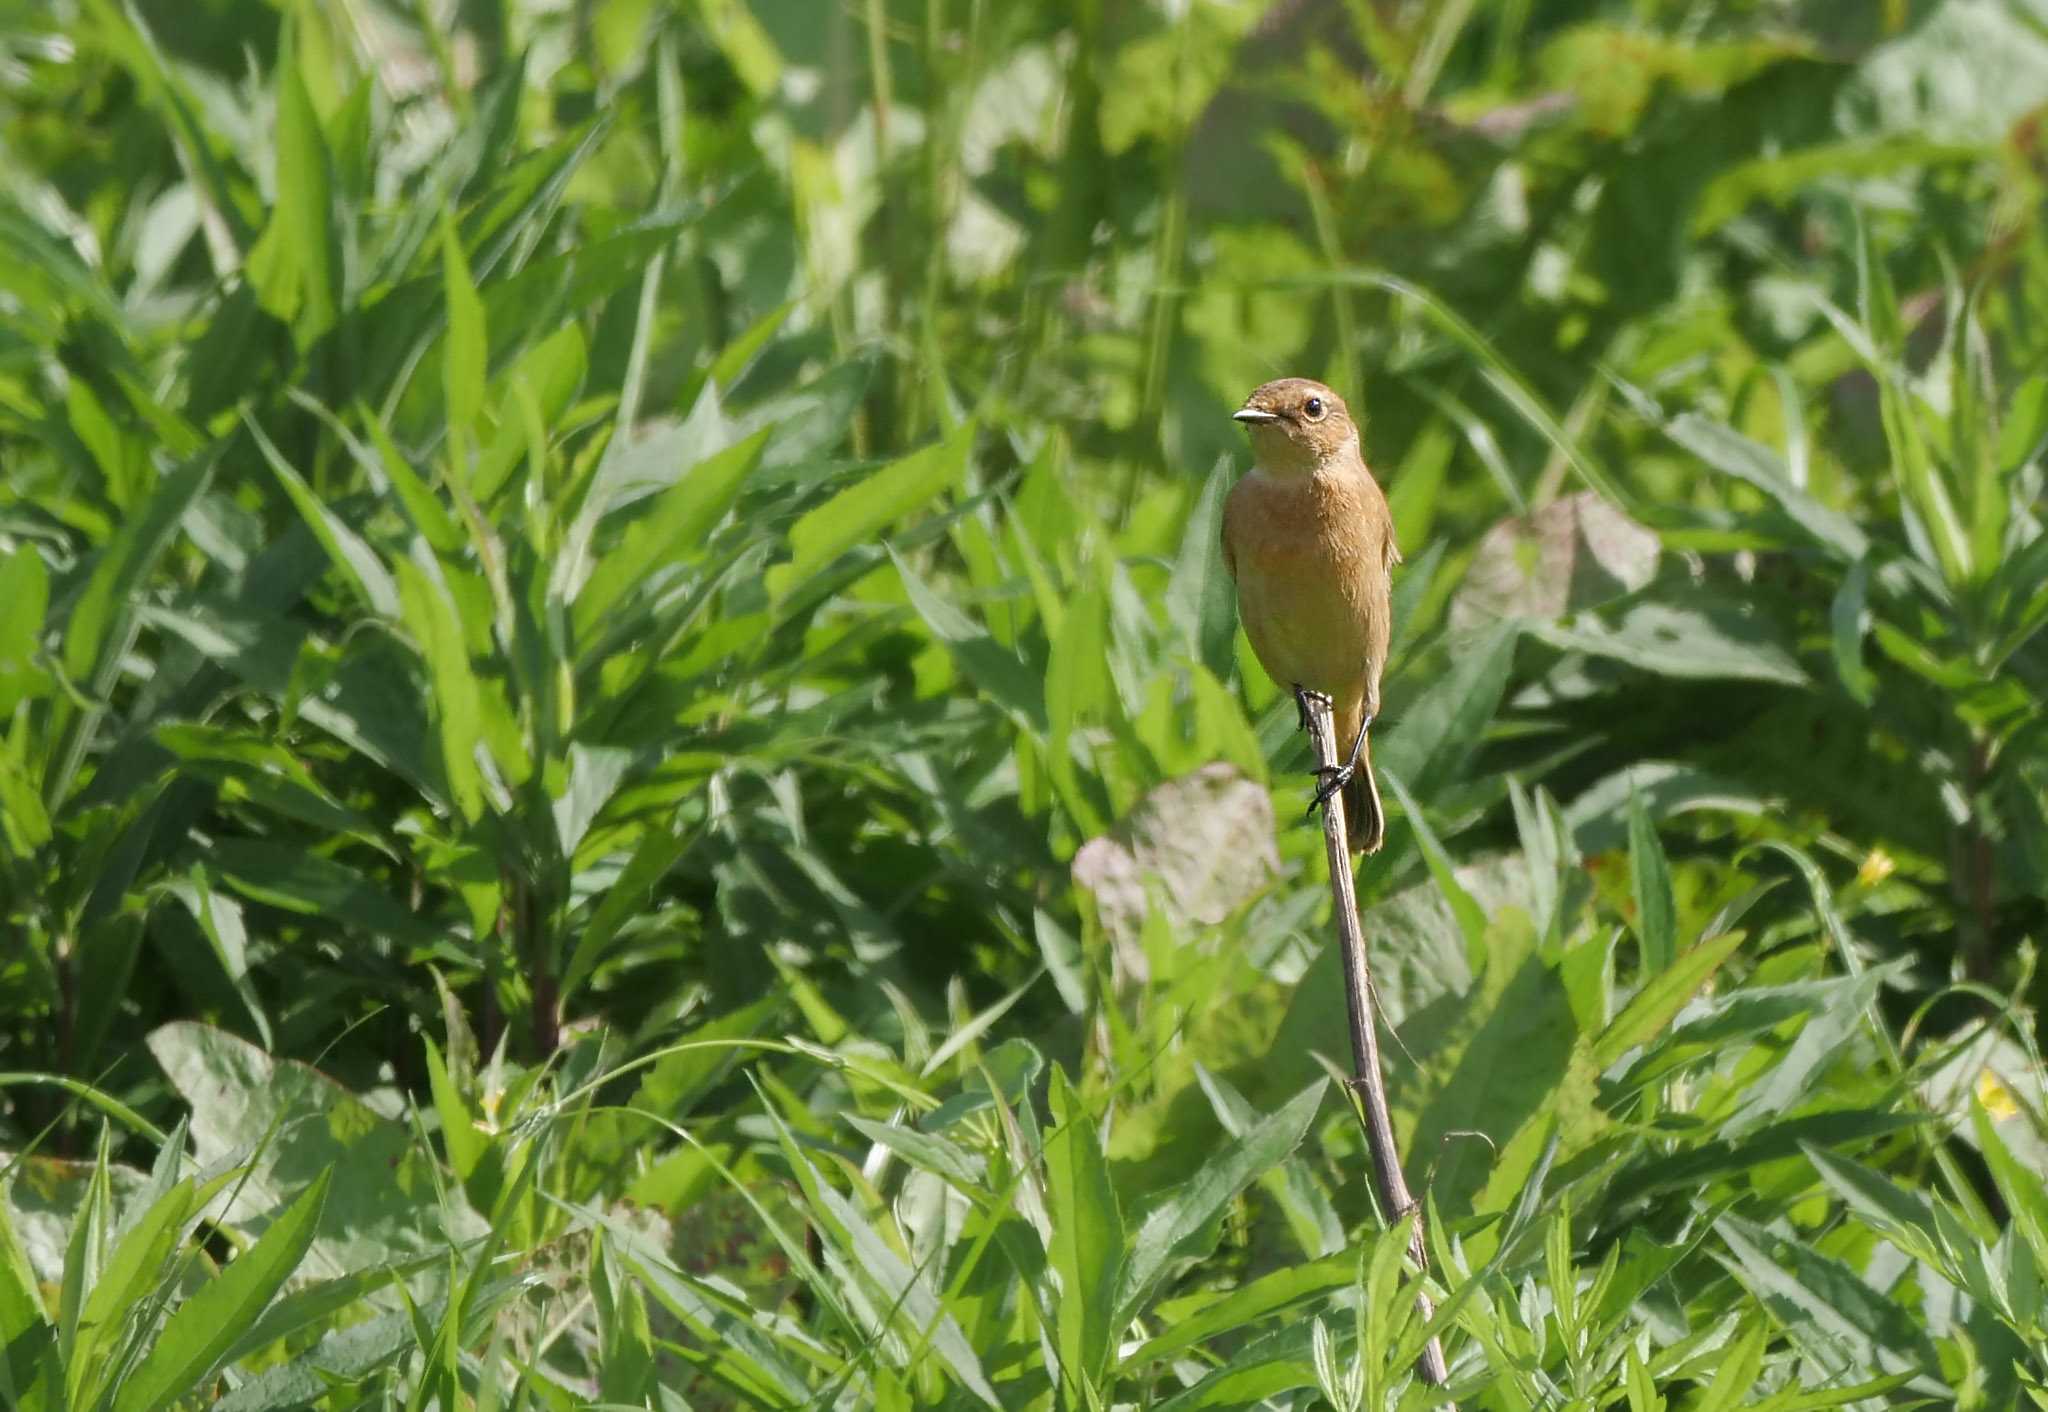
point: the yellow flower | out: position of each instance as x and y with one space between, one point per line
1876 868
1996 1097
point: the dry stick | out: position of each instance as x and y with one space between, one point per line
1367 1084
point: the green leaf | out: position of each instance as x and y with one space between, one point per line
1654 1006
206 1325
1845 618
28 1365
658 851
25 589
906 1291
1183 1223
1688 639
1735 1379
671 531
102 620
993 668
465 351
2020 1187
927 1152
1199 600
861 512
1650 879
1734 454
1438 734
1087 1246
346 1353
1470 916
1078 687
296 267
84 1257
1849 1328
1245 1305
219 918
131 1274
457 702
1933 527
1275 1362
1900 1215
464 1142
286 875
363 566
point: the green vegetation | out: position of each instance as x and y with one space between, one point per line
626 776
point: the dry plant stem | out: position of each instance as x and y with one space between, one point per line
1388 1180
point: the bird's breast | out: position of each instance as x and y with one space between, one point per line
1310 558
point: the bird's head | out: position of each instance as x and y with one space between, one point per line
1297 425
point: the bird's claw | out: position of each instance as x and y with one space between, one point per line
1332 778
1302 697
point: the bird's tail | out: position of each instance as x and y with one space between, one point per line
1365 822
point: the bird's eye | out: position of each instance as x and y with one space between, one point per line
1314 408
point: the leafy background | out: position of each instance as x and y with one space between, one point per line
628 777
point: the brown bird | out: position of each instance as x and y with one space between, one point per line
1309 539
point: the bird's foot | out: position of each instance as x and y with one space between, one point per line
1302 697
1331 779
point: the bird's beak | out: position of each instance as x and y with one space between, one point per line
1254 415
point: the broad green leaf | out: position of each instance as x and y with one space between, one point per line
465 1144
658 851
995 669
1183 1223
296 268
1642 1391
1698 1164
859 513
1902 1216
1734 454
744 43
1272 1363
1440 731
1654 1006
28 1350
1471 918
1087 1249
457 703
927 1152
1245 1305
220 920
430 518
102 619
1847 1327
465 350
1199 601
672 531
138 1261
362 565
206 1325
1077 687
25 589
354 1351
1698 638
84 1257
1650 881
1735 1379
906 1291
249 767
2021 1188
281 1119
1846 617
1933 525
